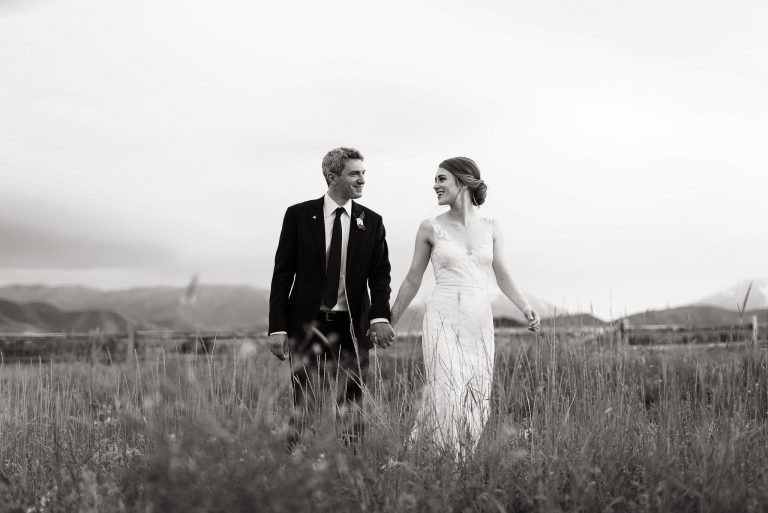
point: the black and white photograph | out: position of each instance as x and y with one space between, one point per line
365 256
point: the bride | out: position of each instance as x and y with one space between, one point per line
457 331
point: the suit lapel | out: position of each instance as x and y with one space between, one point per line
318 229
355 234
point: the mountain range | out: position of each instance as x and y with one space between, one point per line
694 315
231 307
42 317
732 298
212 307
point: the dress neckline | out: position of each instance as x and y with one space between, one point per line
469 251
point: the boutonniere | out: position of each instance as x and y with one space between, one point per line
360 224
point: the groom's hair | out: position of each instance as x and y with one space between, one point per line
335 160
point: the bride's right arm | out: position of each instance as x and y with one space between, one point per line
412 282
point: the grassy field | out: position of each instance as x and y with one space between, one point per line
575 427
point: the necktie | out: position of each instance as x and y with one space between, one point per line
334 263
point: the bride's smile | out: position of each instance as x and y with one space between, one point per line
445 187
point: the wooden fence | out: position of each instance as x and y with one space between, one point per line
115 347
119 347
648 334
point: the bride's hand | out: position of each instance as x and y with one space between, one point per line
534 321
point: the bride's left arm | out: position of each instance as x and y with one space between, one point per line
412 281
505 282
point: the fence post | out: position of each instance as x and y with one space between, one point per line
623 335
755 328
131 345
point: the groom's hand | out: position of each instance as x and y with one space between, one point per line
382 334
278 344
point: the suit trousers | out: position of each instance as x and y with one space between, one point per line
328 371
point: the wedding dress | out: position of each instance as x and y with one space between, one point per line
458 344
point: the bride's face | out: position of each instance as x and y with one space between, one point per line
446 187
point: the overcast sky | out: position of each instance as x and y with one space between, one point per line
624 143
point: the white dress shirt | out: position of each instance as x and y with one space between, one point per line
329 212
329 215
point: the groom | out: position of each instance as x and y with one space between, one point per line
320 313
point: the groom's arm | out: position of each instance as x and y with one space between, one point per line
283 275
379 276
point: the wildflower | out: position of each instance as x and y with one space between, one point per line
320 464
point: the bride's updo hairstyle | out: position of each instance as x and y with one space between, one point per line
467 175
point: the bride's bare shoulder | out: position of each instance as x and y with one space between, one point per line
427 223
426 229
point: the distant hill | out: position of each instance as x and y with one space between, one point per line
691 315
42 318
734 295
232 307
214 307
222 307
66 297
503 307
696 315
506 322
575 321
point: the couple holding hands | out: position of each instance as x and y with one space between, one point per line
332 252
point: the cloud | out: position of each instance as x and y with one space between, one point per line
38 247
44 235
621 142
19 6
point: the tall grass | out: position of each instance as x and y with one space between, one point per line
575 427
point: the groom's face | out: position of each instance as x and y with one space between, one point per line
350 184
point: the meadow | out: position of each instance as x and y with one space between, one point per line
577 425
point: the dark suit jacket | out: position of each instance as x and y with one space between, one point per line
298 280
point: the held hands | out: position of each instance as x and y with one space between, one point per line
382 334
534 322
278 344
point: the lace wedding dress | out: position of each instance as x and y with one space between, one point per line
458 344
